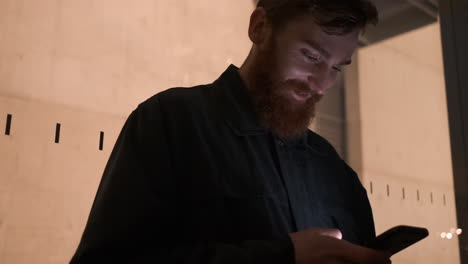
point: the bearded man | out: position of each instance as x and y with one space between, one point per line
229 172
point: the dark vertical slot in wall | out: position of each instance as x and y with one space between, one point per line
8 124
432 198
57 133
403 192
388 190
371 188
101 140
417 195
445 202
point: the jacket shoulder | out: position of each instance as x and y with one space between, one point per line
177 98
321 145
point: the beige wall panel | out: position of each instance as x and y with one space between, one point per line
46 189
405 140
107 56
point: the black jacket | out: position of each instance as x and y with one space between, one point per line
193 178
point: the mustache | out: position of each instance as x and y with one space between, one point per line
303 87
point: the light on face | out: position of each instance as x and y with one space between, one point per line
459 231
443 235
449 236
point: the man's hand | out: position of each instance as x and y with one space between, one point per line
324 246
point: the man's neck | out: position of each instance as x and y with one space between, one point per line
247 70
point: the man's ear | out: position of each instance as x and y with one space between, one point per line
258 26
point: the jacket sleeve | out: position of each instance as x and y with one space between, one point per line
361 209
135 217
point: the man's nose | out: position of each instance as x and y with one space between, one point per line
318 84
320 78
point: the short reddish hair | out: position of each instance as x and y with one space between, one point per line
336 17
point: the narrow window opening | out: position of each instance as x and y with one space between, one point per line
101 140
57 133
8 125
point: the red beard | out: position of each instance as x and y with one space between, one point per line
285 117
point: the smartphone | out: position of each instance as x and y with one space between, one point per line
398 238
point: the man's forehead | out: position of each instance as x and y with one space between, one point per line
307 25
305 29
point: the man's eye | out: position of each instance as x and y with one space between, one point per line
337 68
311 57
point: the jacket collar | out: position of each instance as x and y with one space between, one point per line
236 105
237 109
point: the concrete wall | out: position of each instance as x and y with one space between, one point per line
86 64
46 189
399 139
107 55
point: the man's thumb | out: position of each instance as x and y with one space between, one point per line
331 232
